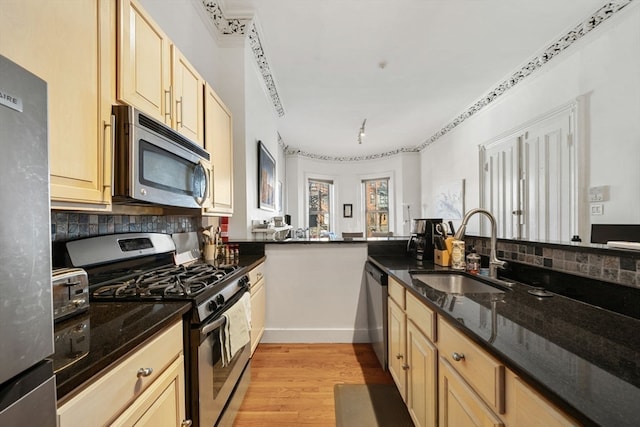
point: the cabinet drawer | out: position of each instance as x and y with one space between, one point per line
256 274
120 385
396 292
422 316
484 373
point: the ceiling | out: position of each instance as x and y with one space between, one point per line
408 66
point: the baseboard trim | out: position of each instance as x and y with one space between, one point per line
315 336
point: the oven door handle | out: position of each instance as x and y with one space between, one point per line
213 325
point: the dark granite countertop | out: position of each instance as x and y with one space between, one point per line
88 343
583 358
106 333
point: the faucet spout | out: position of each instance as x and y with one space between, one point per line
494 262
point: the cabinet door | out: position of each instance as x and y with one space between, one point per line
76 64
219 142
162 404
527 408
188 88
144 66
421 378
397 347
258 311
459 405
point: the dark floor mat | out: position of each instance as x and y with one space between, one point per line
370 405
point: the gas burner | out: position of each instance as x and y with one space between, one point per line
167 282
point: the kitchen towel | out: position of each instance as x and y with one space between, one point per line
235 333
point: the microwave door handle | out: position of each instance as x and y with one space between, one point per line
200 200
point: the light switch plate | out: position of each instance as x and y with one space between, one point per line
597 209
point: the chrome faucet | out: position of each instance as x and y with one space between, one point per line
494 262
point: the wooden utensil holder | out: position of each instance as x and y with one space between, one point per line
441 258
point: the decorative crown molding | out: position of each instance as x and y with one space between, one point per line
579 31
265 70
238 27
227 27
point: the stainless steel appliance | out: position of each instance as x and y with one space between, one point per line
140 267
421 243
70 292
155 164
27 383
377 292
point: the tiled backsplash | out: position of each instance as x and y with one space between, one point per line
72 225
621 267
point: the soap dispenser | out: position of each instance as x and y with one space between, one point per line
473 262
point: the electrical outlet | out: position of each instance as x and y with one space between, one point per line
597 209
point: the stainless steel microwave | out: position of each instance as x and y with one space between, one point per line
153 164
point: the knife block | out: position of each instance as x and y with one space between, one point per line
441 258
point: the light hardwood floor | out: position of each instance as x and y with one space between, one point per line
292 384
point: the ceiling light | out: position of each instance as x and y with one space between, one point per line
361 132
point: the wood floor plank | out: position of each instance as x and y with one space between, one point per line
292 384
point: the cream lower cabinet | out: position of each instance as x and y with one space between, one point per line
219 143
447 380
412 355
460 406
258 305
154 76
70 45
144 389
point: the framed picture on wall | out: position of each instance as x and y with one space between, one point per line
347 210
266 179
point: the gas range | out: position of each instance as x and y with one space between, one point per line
141 267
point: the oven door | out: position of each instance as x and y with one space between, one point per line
216 384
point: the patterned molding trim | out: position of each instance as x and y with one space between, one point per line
238 27
233 27
297 152
265 70
601 15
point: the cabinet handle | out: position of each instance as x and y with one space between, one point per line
144 372
457 356
179 112
405 367
168 103
399 356
186 423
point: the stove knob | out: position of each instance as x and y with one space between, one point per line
220 300
213 306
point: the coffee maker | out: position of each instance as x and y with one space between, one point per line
420 244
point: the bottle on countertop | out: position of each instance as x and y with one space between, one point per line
457 255
473 262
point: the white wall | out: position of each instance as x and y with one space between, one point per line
605 68
402 169
315 293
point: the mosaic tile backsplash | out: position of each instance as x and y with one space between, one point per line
72 225
620 267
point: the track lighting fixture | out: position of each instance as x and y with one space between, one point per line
361 132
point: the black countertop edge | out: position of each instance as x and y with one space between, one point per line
398 266
118 328
115 330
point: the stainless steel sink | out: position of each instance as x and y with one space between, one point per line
456 284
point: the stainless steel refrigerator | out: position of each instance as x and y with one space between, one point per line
27 390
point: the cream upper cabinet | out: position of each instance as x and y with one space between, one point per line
219 143
154 76
188 88
70 45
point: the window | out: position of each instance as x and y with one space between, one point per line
376 192
320 207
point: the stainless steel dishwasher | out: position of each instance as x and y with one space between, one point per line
377 292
